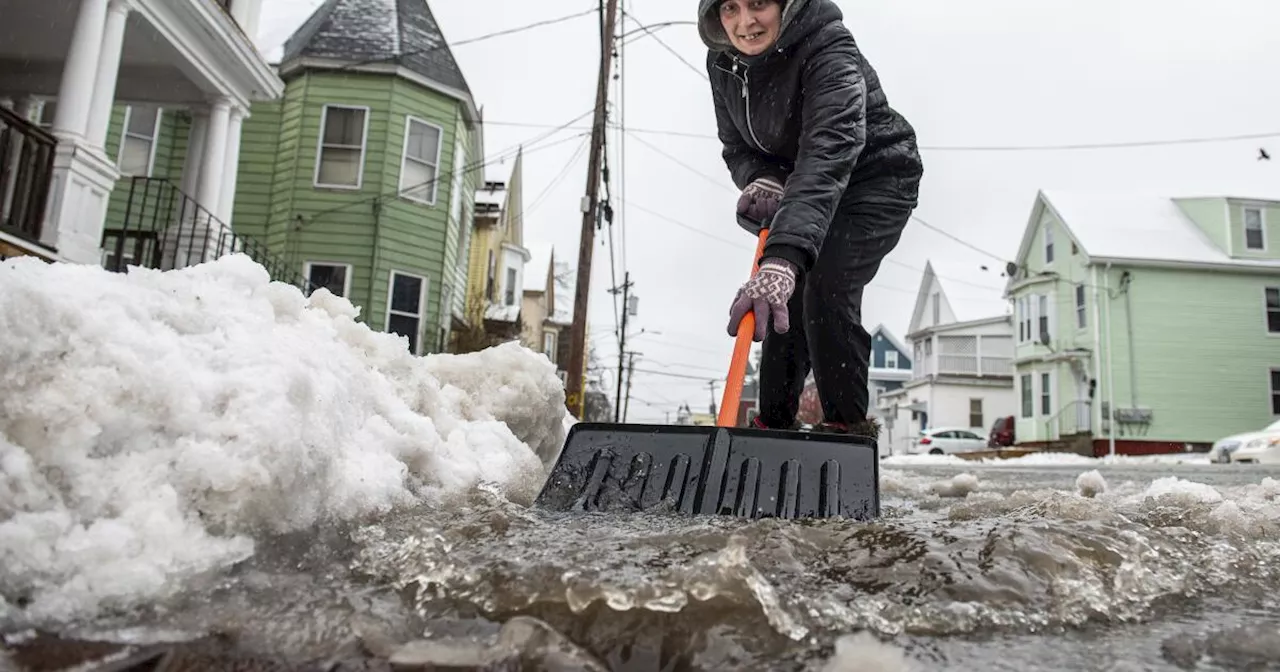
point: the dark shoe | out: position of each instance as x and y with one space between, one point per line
757 423
869 428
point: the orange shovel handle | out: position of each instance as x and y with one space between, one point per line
732 398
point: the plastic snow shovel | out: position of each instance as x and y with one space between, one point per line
720 470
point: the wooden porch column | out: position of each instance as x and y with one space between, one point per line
215 151
230 167
104 90
75 91
195 151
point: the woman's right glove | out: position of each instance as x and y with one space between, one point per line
759 201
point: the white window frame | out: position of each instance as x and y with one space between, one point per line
1262 227
1048 243
510 276
982 412
320 147
1046 393
1026 392
422 306
1044 303
890 359
409 120
1275 392
549 344
346 278
937 308
1082 305
125 134
1266 311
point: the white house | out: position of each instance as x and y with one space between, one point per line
961 374
81 57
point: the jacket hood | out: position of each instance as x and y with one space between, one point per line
799 19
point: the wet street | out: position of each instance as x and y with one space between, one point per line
1008 566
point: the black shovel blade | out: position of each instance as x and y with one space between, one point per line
746 473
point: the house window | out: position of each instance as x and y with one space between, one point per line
891 359
1081 321
1048 244
334 277
975 413
1028 407
509 289
490 276
1273 310
137 153
1254 234
421 161
340 156
937 309
549 345
1046 394
405 307
1042 320
1275 391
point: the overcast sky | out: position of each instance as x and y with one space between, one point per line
968 75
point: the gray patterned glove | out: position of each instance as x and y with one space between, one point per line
765 294
760 199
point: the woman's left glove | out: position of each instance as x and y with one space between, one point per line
765 294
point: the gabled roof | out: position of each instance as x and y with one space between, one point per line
928 283
398 32
893 340
538 267
1127 226
566 286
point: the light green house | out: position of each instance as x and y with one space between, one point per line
362 177
1146 322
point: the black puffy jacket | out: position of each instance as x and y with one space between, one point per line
810 113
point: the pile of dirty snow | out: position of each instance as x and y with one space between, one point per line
153 424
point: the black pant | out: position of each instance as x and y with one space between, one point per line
826 331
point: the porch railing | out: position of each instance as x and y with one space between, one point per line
1074 418
26 171
164 228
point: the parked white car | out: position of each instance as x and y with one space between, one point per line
1260 446
947 440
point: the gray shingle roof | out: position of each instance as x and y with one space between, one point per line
403 32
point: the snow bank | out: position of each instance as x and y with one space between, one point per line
153 424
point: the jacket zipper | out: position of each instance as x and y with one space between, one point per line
746 97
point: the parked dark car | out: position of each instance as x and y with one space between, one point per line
1003 433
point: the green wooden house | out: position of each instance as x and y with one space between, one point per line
1147 324
360 179
363 175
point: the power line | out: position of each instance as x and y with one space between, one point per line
980 148
481 163
666 46
470 40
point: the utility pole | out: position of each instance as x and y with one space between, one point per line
712 384
622 340
631 372
578 334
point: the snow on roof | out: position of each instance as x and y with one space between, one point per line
404 32
1139 226
498 312
535 272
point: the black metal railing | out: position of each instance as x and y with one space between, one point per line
26 171
164 228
